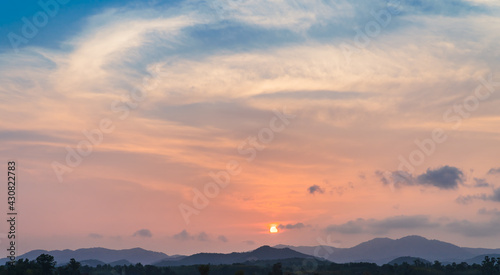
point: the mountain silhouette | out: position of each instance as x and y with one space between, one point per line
378 250
310 250
259 254
134 255
383 250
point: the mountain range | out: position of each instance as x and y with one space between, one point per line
261 253
99 255
383 250
379 251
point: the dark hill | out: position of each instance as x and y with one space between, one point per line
259 254
134 255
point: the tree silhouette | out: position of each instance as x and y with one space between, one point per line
277 269
204 269
74 267
46 263
488 267
437 265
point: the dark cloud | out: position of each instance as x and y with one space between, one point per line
315 189
292 226
481 183
95 236
145 233
493 171
384 226
250 242
446 177
222 239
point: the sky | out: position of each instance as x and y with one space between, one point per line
194 126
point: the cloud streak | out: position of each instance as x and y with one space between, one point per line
143 233
291 226
466 199
384 226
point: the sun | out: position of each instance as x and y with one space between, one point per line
273 229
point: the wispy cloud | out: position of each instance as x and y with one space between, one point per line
480 182
222 238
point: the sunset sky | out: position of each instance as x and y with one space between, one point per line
194 126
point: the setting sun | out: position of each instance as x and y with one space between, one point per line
273 229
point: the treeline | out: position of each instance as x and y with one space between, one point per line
45 265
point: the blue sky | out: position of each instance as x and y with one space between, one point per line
72 16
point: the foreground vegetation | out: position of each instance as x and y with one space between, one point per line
45 265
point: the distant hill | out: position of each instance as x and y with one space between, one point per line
408 260
92 263
134 255
310 250
383 250
260 254
120 263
